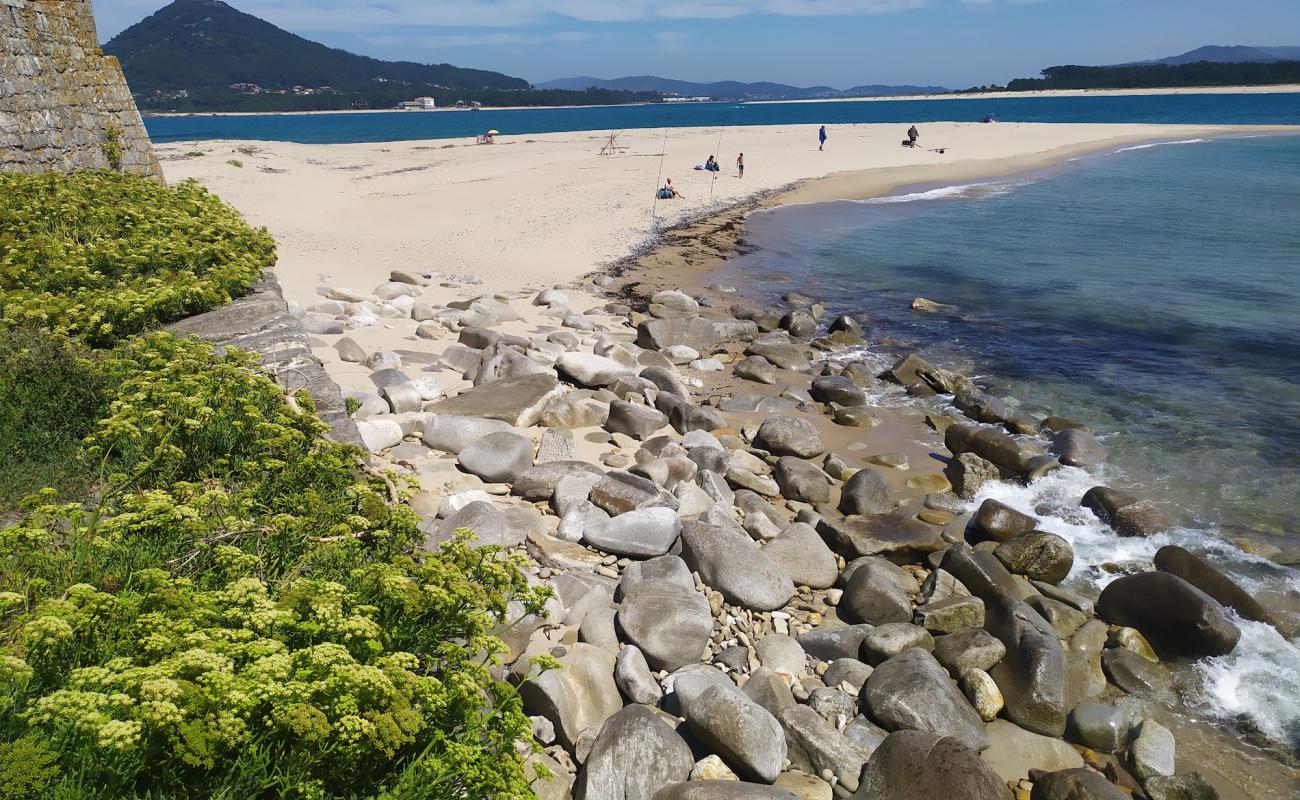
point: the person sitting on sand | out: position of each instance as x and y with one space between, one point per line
712 165
668 192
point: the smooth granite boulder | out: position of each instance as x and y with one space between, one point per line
804 556
1038 556
876 593
498 457
452 434
580 695
893 638
634 419
634 679
769 690
1174 616
1075 447
1124 513
1032 674
781 351
802 481
965 650
1137 676
728 560
837 389
621 492
920 765
757 369
1209 579
814 746
640 533
829 644
1014 751
670 623
489 524
518 401
744 733
1075 784
591 370
911 691
867 492
998 521
635 755
1009 454
789 436
693 332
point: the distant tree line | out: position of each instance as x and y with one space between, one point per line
1151 76
221 99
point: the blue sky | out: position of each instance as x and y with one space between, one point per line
841 43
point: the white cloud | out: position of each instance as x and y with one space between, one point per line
672 41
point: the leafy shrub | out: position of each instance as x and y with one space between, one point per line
102 255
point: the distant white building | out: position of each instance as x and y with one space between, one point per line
418 104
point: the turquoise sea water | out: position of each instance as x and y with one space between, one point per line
1153 293
1219 109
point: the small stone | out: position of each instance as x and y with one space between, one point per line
983 693
712 768
1152 751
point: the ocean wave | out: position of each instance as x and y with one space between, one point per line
966 191
1258 681
1159 144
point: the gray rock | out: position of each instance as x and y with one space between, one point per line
1204 576
1038 556
660 334
900 539
350 351
1176 617
1188 786
498 457
1007 453
1099 726
951 615
724 790
1075 784
670 623
789 436
867 492
1124 513
1000 522
1137 676
913 692
769 690
592 370
1032 675
757 403
486 521
556 445
865 734
814 746
804 556
580 695
518 401
799 322
847 670
966 650
876 593
969 473
687 417
668 568
500 363
1014 751
635 755
321 325
667 381
781 351
893 638
633 677
621 492
757 369
747 737
729 561
540 482
783 655
838 389
1063 619
979 571
829 644
920 765
642 533
1075 447
802 481
1085 678
1152 752
597 628
637 421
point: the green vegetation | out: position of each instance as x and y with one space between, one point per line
1150 76
234 162
113 145
211 600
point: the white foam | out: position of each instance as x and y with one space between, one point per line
965 191
1159 144
1258 680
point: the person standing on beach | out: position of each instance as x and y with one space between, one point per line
740 164
821 138
912 135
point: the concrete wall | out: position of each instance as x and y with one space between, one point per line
61 99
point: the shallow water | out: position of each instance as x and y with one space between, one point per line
1208 109
1153 293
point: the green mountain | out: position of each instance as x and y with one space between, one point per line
732 90
204 55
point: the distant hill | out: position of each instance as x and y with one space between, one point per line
732 90
1235 54
1156 76
196 55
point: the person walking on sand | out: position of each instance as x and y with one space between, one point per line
740 164
821 138
912 135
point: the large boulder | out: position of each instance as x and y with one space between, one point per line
660 334
780 350
911 691
621 492
452 434
921 765
635 755
518 401
1174 616
498 457
867 492
814 745
829 644
634 419
728 560
979 571
1014 751
1000 522
669 622
540 481
641 533
789 436
837 389
804 556
1075 784
1038 556
489 524
1011 455
1075 447
744 733
589 369
1205 576
876 593
904 540
802 481
580 695
1124 513
1032 674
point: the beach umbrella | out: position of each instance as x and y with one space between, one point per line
493 133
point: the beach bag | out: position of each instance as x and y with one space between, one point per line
664 194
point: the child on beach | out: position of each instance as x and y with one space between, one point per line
740 164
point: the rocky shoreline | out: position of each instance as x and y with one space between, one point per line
757 595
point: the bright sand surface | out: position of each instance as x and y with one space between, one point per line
548 208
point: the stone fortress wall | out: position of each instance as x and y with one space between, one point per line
64 105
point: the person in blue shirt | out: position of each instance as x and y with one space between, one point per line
821 138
